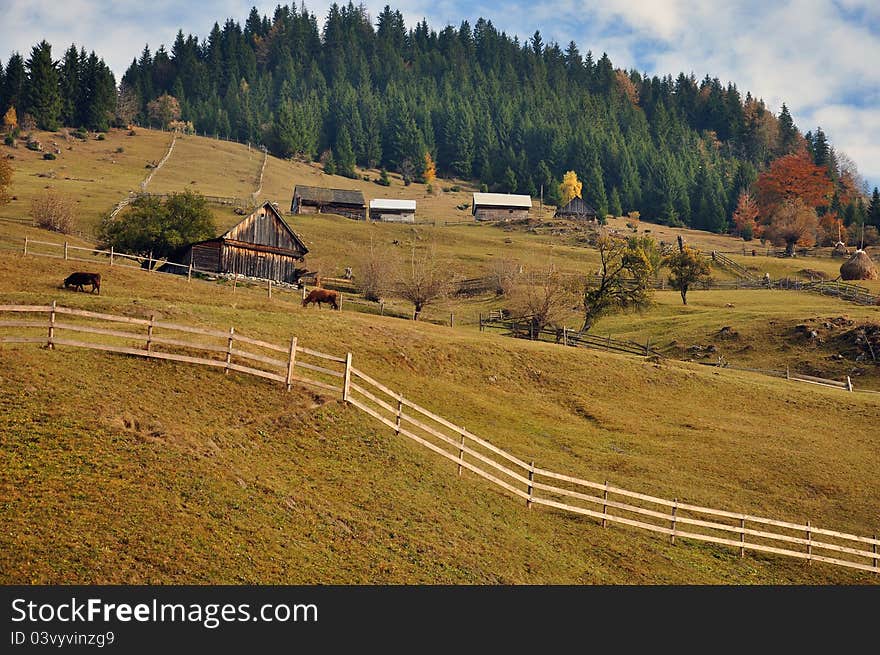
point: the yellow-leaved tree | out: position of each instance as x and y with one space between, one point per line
430 173
570 187
10 120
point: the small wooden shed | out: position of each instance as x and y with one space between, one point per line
261 246
501 206
578 209
317 200
393 211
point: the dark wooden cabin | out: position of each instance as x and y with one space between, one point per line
578 209
501 206
261 246
316 200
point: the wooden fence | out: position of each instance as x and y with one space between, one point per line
523 327
536 485
846 384
602 501
152 338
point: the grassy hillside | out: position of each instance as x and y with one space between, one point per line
123 470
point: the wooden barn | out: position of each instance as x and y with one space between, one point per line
578 209
261 246
393 211
501 206
316 200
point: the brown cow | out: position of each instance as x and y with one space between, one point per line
321 296
79 279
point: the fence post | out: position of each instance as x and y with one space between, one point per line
648 347
341 296
605 506
112 252
65 250
51 343
481 321
150 333
461 459
234 281
382 308
229 350
189 270
452 319
291 357
151 262
531 480
269 289
674 509
608 344
875 551
564 336
346 381
809 544
787 374
398 415
25 245
742 537
303 291
849 386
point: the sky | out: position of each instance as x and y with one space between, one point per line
820 57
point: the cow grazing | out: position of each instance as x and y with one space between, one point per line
321 296
79 279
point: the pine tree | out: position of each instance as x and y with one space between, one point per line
873 213
787 132
614 205
594 188
69 80
509 182
344 154
821 153
14 82
43 100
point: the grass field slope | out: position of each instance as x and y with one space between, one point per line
118 469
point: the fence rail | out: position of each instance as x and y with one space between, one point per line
537 486
524 327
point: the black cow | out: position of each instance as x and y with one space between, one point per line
79 279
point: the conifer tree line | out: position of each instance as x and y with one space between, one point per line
77 91
513 116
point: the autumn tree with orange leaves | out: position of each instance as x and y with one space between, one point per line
745 217
793 177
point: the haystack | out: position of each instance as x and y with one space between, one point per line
858 267
840 250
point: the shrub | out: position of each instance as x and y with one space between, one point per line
455 188
34 145
9 140
49 155
120 149
100 137
81 134
52 211
484 188
383 178
161 227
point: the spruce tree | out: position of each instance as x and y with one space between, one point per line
873 214
344 154
14 82
594 187
69 80
614 205
787 132
43 95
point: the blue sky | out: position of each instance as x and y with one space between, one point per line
820 57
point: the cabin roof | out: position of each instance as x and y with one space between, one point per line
576 207
322 196
391 204
230 235
502 200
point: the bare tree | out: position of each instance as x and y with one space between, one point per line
620 283
53 211
504 275
374 272
126 105
544 300
422 280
